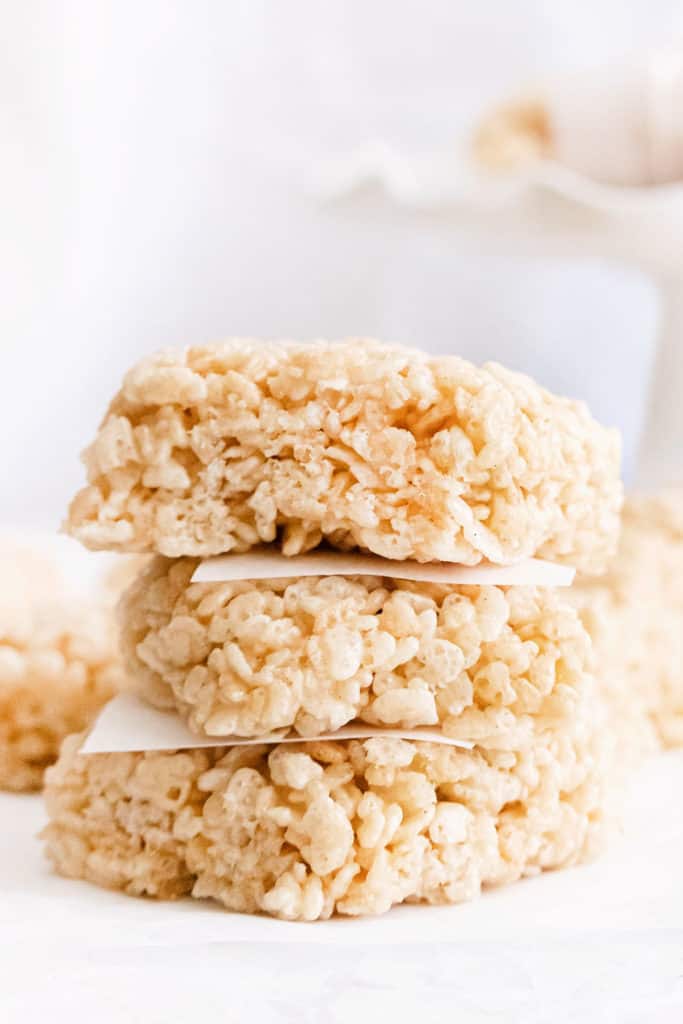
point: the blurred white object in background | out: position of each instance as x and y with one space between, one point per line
634 613
554 211
69 569
621 124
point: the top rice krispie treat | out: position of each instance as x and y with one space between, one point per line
223 447
409 456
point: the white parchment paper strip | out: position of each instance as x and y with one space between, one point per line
127 723
263 564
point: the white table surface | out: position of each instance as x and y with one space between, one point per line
602 942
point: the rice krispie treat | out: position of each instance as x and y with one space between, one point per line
307 830
484 663
514 134
635 618
58 665
220 448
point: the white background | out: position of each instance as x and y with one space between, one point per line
157 161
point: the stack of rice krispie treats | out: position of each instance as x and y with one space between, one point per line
377 449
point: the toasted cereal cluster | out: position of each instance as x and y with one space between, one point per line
307 830
58 665
245 658
634 616
220 448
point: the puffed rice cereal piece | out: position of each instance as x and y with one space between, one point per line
305 831
246 658
59 664
385 448
635 618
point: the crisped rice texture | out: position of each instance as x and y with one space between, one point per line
59 664
220 448
304 831
490 664
635 618
113 817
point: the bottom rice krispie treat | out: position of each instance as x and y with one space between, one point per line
58 663
306 830
635 618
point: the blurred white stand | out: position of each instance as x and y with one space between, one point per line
553 212
660 460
